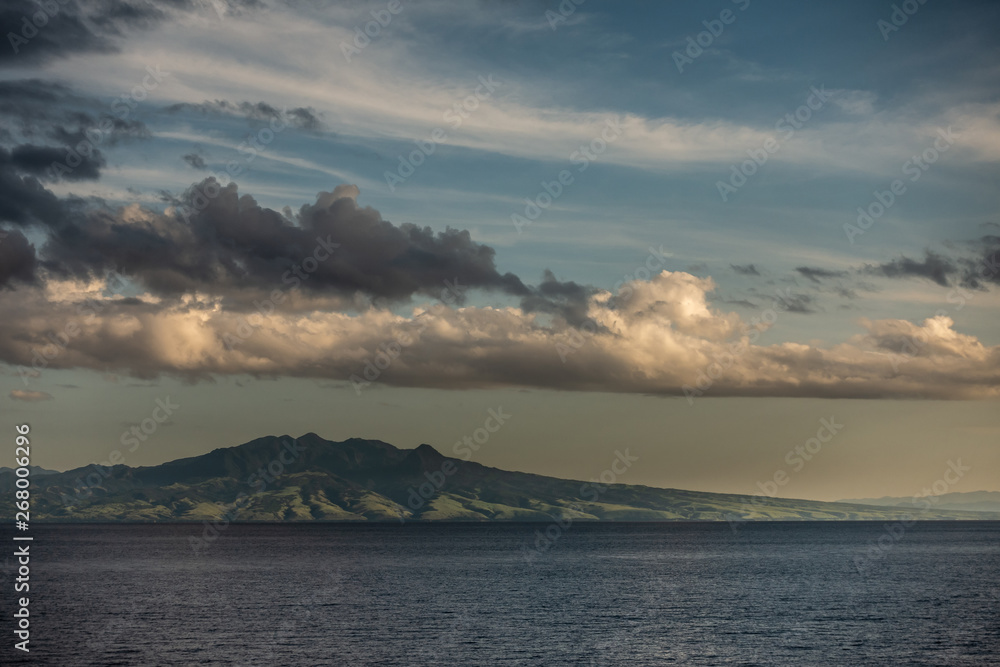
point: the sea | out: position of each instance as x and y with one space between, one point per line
776 593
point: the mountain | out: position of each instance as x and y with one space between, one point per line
969 501
312 479
35 470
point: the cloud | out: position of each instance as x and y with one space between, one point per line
63 34
37 110
658 337
565 299
17 258
72 27
203 280
984 266
303 118
796 303
934 267
38 160
51 138
232 246
855 102
745 270
195 160
817 275
29 396
743 303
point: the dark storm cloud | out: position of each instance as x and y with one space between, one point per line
36 32
745 270
818 275
226 244
38 160
63 34
934 267
17 258
24 201
234 246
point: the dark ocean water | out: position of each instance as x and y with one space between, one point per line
601 594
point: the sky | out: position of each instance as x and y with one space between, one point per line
736 238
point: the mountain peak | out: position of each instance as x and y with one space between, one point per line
428 456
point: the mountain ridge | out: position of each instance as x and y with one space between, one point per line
309 478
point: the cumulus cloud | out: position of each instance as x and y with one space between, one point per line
229 245
204 273
660 337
